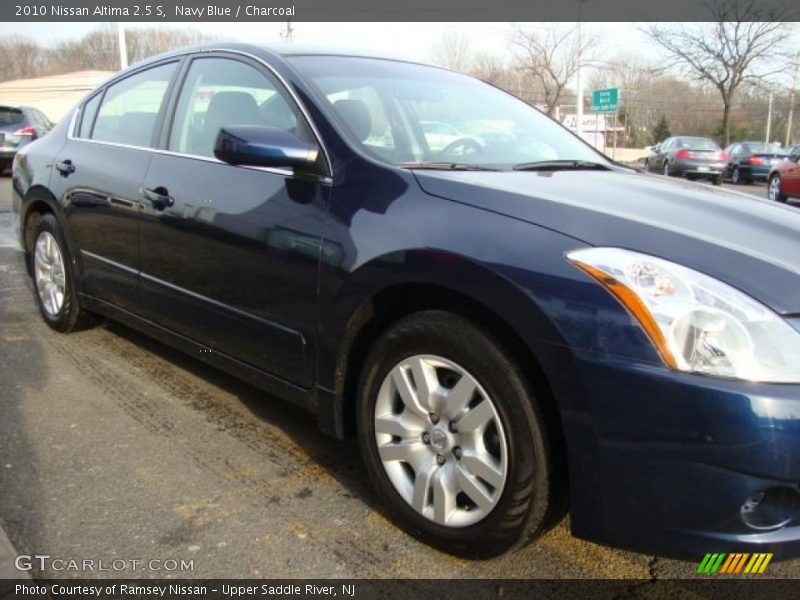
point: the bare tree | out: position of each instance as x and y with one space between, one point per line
22 58
551 55
741 46
489 67
452 51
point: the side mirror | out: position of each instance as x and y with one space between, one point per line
256 146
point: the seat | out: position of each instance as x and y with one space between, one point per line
224 110
356 114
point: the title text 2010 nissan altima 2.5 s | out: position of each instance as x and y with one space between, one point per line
510 324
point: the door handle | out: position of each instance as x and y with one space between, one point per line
159 197
65 167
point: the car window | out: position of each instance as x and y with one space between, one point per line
88 114
665 145
11 116
384 106
697 144
46 123
130 108
221 92
363 110
764 148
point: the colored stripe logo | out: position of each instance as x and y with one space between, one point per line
733 564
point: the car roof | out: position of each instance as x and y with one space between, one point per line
279 50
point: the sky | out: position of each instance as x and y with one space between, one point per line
408 40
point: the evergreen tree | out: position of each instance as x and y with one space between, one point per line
661 130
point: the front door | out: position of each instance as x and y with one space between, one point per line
230 255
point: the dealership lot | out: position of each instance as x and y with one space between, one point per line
115 447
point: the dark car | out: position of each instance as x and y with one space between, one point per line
521 328
690 157
752 161
784 178
19 126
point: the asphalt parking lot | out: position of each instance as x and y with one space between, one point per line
113 446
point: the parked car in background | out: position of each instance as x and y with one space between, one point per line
507 331
19 125
690 157
784 177
752 161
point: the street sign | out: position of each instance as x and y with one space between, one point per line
605 100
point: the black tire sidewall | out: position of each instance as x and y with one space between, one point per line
525 499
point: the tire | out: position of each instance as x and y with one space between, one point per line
667 171
736 176
716 180
50 260
774 189
525 504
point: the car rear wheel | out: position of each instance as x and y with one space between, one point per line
717 180
667 170
774 189
736 176
452 437
53 281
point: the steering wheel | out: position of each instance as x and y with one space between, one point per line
461 147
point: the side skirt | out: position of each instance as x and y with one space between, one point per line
285 390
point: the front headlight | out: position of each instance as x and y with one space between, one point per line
697 323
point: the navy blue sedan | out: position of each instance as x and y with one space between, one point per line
752 161
509 322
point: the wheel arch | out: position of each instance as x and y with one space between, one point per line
440 281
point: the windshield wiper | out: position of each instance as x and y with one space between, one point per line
561 165
444 166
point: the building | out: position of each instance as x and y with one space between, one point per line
598 128
54 95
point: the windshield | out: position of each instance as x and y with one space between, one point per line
406 113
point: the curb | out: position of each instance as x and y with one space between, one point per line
7 556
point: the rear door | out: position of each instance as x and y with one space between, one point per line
230 259
97 179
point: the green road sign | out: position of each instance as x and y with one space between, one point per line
605 100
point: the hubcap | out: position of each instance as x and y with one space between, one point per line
49 273
735 177
666 169
440 440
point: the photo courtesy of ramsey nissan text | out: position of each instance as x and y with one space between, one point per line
335 299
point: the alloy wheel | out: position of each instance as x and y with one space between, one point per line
774 188
735 175
440 440
49 273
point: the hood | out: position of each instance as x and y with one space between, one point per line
751 244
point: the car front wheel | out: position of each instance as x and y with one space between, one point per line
453 438
52 277
774 189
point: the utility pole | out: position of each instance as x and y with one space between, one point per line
792 94
287 32
123 49
579 81
769 118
